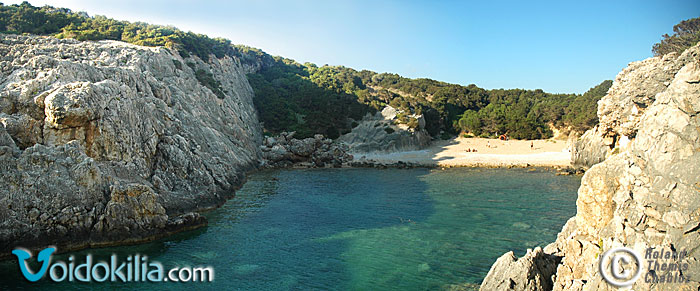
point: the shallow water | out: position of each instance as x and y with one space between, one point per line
357 229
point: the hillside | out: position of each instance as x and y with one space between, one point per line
310 99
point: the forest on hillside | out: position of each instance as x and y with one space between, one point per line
310 99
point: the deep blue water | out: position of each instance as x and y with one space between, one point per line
356 229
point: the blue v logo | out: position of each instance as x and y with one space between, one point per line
44 257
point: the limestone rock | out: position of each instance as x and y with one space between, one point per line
620 111
382 133
589 149
285 151
102 142
646 192
533 271
131 208
635 89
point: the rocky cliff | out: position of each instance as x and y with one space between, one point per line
620 112
107 142
382 132
646 191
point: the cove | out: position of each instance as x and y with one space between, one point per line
357 229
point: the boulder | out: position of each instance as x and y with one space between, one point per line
318 151
531 272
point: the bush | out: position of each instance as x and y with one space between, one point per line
413 123
177 64
389 130
207 79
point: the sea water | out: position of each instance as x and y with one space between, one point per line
355 229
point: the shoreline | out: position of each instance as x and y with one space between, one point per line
490 153
477 152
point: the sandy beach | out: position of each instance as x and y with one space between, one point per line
489 153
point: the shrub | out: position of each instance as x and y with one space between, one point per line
177 64
207 79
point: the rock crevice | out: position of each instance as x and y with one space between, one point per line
107 142
643 186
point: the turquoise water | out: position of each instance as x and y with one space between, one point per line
357 229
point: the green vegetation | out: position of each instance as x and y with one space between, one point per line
63 23
288 99
520 113
207 79
685 35
581 113
308 99
178 64
525 114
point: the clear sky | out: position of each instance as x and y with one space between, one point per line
558 46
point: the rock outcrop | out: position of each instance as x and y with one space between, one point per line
531 272
589 149
646 193
621 111
286 151
107 142
382 132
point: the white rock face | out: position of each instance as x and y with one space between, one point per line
91 121
620 112
646 193
533 271
379 133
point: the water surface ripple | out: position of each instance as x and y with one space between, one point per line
358 229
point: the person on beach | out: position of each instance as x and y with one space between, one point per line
532 145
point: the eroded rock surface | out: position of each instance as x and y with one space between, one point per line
646 193
382 133
104 142
531 272
316 152
620 112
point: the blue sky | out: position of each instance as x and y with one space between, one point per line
557 46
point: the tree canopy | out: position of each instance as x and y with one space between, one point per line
309 99
685 35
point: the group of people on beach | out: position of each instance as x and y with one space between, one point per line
488 145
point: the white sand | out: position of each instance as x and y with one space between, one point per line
500 153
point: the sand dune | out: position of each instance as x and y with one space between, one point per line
489 152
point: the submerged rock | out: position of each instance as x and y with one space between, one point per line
107 142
